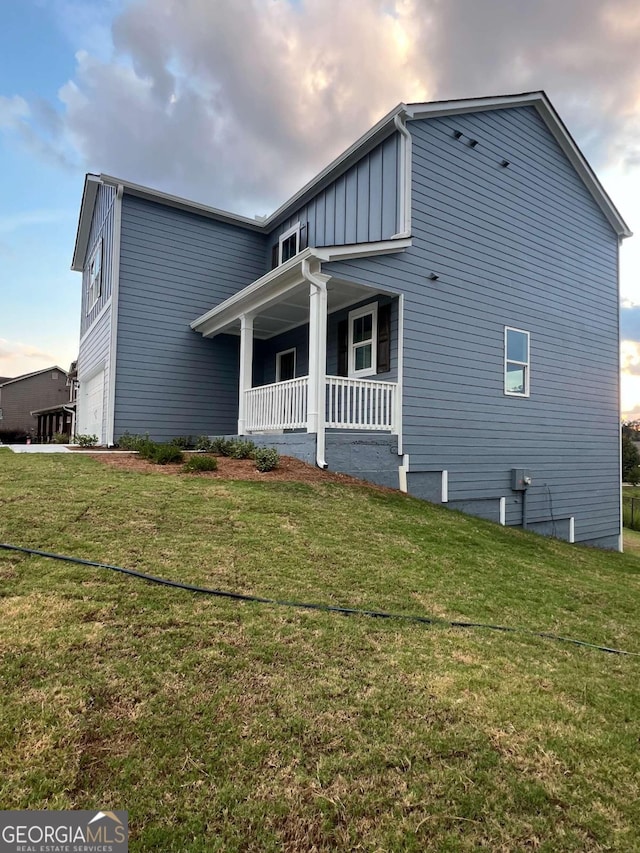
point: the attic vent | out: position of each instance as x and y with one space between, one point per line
54 374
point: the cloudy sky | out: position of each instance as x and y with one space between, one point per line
236 103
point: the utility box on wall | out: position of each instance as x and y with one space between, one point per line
520 479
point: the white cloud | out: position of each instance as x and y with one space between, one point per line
17 358
238 102
13 111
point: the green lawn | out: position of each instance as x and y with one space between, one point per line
225 726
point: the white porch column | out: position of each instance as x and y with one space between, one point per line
246 365
317 358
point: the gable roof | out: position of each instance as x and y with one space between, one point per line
30 375
376 134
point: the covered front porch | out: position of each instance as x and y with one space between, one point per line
317 353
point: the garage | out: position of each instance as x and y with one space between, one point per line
92 402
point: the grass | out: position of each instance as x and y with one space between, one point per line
224 726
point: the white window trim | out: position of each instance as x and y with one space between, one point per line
295 229
93 297
278 361
526 364
371 308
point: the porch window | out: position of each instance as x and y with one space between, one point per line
95 276
516 362
363 333
286 365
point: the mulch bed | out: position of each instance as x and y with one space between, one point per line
289 470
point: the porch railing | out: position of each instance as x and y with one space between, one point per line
361 404
350 404
281 405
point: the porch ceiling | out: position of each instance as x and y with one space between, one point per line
293 309
280 299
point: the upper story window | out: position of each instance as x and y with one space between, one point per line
362 344
288 245
516 362
95 276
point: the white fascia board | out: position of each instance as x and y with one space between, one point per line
546 111
183 203
89 194
361 250
282 279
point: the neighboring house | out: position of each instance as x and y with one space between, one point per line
20 397
60 419
436 311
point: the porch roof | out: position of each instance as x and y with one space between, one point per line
279 300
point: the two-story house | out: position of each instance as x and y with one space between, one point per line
437 310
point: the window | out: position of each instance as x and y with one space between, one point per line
516 362
363 332
287 247
95 276
285 365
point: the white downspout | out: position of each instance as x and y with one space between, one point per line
318 358
404 187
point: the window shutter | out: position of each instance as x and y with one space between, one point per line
343 348
384 339
275 256
304 236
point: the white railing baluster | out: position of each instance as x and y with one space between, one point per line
351 404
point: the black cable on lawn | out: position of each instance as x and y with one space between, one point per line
326 608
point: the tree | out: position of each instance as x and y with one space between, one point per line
630 459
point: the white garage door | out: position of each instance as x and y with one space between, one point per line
93 402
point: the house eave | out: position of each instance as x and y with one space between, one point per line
181 203
89 194
34 373
64 407
277 282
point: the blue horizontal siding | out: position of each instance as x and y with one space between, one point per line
174 266
523 246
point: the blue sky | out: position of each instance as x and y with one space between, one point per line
183 94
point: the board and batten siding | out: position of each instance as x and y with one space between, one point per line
175 266
93 358
358 207
101 229
523 246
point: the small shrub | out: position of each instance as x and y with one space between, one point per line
132 442
203 442
61 438
267 458
13 436
200 463
87 440
184 442
241 449
164 454
220 445
146 449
